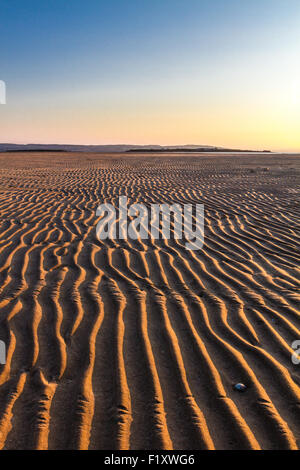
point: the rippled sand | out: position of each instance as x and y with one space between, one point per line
137 344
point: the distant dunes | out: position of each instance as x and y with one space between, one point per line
138 343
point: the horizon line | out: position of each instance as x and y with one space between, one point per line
172 146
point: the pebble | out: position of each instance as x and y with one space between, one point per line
240 387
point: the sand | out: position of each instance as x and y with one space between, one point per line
138 344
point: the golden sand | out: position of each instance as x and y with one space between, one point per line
136 344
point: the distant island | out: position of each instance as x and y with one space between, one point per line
120 148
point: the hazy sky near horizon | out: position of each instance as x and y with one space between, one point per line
215 72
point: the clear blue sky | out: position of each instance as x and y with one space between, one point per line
220 72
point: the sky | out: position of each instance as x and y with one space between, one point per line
170 72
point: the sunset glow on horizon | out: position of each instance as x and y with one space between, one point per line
173 72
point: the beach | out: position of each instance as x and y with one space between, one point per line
139 343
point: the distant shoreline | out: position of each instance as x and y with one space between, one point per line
198 150
120 148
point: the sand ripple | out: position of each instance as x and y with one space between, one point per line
138 343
